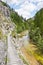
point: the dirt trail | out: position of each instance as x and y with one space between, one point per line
29 57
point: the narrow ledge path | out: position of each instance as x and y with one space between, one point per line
12 54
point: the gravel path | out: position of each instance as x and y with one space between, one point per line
3 52
13 55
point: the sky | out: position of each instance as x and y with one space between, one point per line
26 8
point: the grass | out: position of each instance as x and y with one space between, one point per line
1 34
34 51
39 58
25 62
5 60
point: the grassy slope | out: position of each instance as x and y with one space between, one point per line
34 51
31 54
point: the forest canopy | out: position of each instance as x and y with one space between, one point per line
36 29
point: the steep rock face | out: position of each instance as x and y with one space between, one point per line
4 10
6 26
3 44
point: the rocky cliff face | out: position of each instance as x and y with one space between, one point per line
3 42
6 26
4 9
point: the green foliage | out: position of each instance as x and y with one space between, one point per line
19 21
4 4
39 20
1 35
36 30
26 25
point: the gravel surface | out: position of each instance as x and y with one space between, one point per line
3 52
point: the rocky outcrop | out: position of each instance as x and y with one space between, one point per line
6 26
4 10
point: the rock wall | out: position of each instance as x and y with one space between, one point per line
4 10
6 25
3 52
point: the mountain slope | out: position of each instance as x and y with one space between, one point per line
6 25
18 20
36 29
39 20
